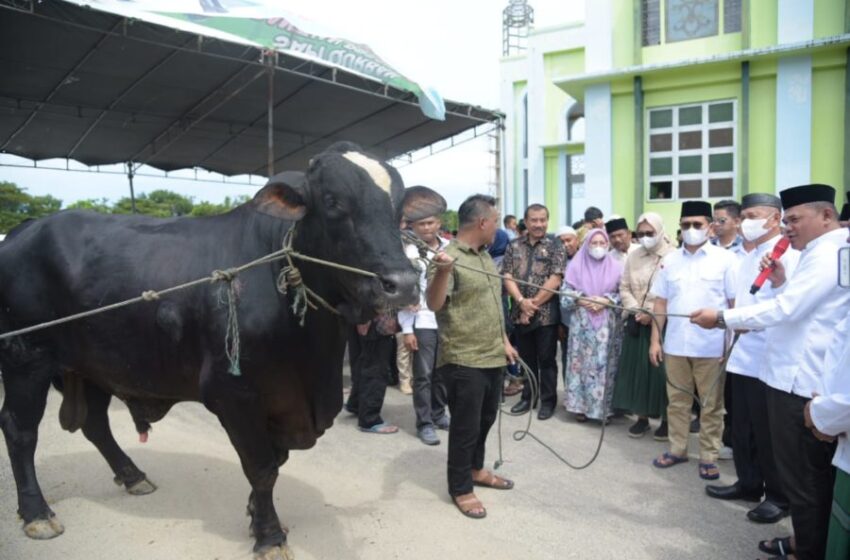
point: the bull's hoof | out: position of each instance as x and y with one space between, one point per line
141 488
282 552
43 529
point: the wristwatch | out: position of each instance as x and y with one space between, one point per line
721 322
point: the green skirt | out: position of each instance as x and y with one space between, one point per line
640 387
838 542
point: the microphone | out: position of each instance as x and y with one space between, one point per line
778 250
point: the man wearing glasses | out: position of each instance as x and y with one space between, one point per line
690 278
727 218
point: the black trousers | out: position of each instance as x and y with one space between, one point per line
804 465
473 395
369 357
538 349
754 460
429 391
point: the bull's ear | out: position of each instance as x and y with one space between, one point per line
284 196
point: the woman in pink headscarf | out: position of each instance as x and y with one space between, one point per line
596 331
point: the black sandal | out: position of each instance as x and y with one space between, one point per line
779 546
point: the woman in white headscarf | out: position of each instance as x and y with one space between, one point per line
641 387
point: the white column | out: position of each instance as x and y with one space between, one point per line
536 116
795 23
598 149
599 27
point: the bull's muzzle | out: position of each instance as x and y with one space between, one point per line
400 288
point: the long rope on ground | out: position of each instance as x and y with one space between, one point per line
529 377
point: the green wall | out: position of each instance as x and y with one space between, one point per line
763 126
564 63
763 22
623 154
829 18
554 188
828 70
518 88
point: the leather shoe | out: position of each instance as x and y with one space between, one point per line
545 413
766 512
732 492
521 407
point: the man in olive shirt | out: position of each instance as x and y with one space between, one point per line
473 347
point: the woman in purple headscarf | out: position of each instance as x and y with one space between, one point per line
596 331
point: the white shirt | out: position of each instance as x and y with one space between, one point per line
423 318
621 257
691 281
802 318
831 412
749 353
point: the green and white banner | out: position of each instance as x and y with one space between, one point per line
260 23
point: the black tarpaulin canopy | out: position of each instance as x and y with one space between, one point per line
100 88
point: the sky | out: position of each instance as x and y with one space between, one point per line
453 46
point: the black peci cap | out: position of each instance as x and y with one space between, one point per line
804 194
696 208
615 225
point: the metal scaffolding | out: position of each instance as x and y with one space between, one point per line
517 21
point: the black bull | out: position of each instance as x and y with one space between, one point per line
152 355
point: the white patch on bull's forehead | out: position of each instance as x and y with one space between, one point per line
373 167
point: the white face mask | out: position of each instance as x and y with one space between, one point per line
598 253
753 229
648 242
694 236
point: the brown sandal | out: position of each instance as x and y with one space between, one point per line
494 481
468 502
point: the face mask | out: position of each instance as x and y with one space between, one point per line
598 253
694 236
753 229
648 242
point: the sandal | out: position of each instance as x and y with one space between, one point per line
468 502
512 389
668 460
494 481
781 546
382 428
581 418
708 471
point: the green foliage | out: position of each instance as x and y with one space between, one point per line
449 218
16 205
91 204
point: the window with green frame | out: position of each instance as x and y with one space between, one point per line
691 151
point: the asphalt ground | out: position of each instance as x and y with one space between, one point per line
365 496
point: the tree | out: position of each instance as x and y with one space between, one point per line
16 206
92 204
449 219
160 203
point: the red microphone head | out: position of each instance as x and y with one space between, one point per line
778 250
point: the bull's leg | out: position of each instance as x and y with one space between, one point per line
26 388
96 429
237 406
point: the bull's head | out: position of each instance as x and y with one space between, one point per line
347 205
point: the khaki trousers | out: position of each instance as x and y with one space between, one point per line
699 374
403 362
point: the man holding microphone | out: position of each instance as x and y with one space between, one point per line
800 323
754 464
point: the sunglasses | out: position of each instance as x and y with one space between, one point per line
689 225
641 234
